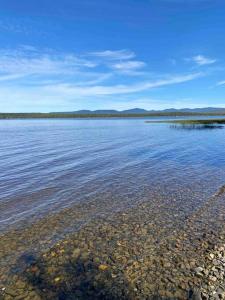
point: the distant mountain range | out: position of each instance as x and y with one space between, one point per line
135 112
144 111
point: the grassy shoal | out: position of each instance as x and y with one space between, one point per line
192 122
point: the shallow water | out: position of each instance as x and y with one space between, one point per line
110 209
50 165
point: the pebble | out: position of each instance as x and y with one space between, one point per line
57 279
76 253
103 267
124 259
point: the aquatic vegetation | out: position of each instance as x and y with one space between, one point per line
198 124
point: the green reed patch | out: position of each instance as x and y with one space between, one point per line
194 122
198 124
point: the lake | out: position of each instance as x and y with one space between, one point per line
48 165
64 181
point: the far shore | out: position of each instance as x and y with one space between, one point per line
107 115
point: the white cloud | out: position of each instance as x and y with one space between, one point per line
41 79
68 89
128 65
114 55
221 82
202 60
61 97
10 77
97 78
26 61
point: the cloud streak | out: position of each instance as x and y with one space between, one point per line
128 65
67 89
202 60
44 78
114 55
20 63
221 83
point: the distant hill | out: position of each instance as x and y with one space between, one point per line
197 110
218 110
130 113
135 111
86 112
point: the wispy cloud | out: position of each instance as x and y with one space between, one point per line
43 78
52 97
97 78
114 55
202 60
27 61
10 77
128 65
68 89
221 82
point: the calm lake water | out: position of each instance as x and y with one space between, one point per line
48 165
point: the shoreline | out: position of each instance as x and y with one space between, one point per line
15 116
134 254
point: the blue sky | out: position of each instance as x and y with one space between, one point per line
102 54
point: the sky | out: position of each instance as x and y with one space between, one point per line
102 54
